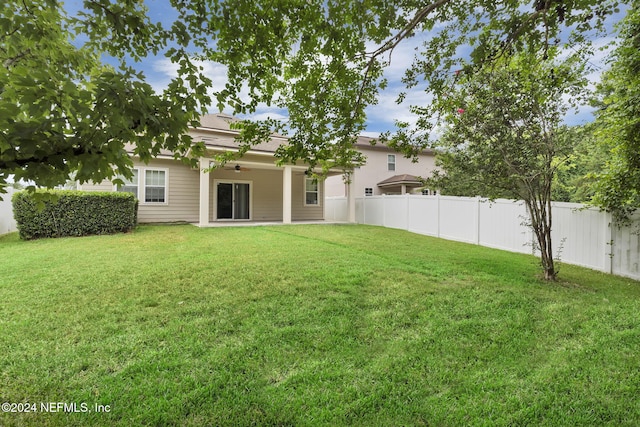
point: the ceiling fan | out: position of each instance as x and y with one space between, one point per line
237 168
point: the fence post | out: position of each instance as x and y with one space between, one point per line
477 220
438 214
408 210
364 209
608 242
384 210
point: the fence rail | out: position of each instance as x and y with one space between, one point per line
7 223
581 236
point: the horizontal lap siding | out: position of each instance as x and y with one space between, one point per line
267 196
266 188
182 193
105 185
300 212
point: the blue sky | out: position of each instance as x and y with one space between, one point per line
381 117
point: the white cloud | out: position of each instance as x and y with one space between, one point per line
264 112
164 71
371 134
382 116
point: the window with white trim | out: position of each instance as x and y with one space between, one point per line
368 191
391 162
155 186
311 192
129 186
149 185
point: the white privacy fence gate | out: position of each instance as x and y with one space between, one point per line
7 223
581 236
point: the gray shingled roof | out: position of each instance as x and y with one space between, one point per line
366 143
221 122
399 180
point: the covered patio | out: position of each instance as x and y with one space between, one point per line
255 188
256 191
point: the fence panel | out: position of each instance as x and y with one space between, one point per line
7 223
502 225
458 219
423 215
579 235
360 217
373 210
336 209
626 250
396 211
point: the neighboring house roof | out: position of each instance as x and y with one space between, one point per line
367 142
405 179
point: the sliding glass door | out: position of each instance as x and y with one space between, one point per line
233 200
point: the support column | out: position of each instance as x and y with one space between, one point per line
351 202
204 192
286 194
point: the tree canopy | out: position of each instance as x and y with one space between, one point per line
618 123
503 131
63 111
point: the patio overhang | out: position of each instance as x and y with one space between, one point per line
255 161
402 182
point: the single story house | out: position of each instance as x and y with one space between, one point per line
254 188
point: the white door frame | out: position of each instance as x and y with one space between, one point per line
215 198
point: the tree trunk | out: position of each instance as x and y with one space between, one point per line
540 215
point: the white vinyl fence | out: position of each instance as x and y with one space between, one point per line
7 223
581 236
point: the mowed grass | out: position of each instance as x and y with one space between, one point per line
310 325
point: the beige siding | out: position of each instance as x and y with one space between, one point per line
376 170
267 196
102 186
335 186
182 193
266 192
300 212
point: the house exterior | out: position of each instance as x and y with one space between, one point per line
385 172
254 188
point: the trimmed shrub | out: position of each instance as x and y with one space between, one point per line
61 213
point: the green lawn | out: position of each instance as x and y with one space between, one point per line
310 325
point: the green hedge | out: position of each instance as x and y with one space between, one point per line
62 213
